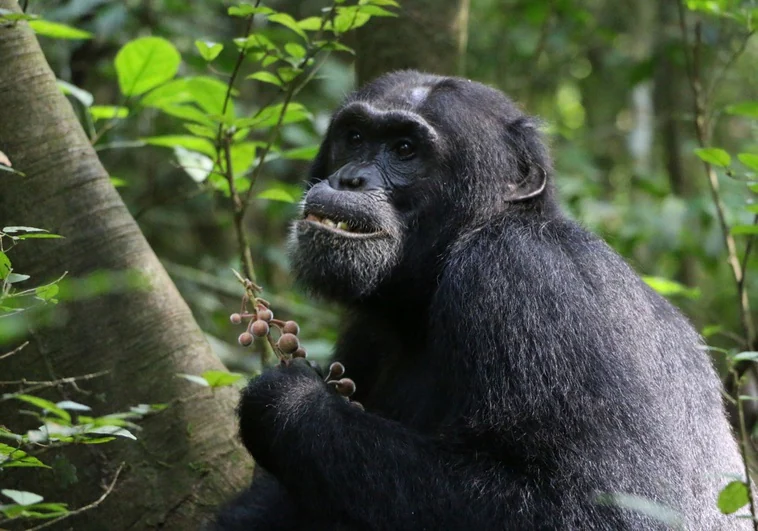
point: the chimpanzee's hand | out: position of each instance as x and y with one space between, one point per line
274 405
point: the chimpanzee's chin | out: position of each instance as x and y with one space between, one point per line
337 266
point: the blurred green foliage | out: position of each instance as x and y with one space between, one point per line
608 79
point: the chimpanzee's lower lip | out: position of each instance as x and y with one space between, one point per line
337 228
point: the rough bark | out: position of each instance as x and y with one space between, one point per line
187 459
429 35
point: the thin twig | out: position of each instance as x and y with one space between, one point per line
719 78
224 144
14 351
702 132
37 385
293 87
92 505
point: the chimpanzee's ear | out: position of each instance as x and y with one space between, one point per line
529 171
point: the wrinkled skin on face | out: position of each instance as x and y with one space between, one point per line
385 187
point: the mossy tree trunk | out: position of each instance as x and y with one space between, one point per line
429 35
187 458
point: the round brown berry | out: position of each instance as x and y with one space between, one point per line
299 353
288 343
265 315
235 318
260 328
245 339
336 370
345 387
291 327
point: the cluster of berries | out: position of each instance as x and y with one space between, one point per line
260 322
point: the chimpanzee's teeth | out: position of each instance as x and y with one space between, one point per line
341 225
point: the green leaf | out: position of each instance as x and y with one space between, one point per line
668 288
209 93
277 194
145 63
22 497
16 277
266 77
45 405
391 3
73 406
11 457
195 164
193 143
7 15
749 160
269 116
256 41
108 112
118 183
221 378
84 97
30 233
288 73
295 50
47 293
245 10
37 236
312 24
5 265
57 30
745 108
188 112
733 497
19 228
208 50
4 167
303 153
113 430
335 46
195 379
243 157
350 18
202 130
37 510
287 21
746 356
171 93
715 156
711 330
97 440
744 229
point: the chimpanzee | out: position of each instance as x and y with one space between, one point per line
516 374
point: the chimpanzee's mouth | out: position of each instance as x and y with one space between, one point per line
344 227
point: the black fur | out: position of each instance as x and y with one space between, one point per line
512 366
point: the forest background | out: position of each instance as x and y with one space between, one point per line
167 143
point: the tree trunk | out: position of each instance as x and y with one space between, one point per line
671 100
429 35
187 459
